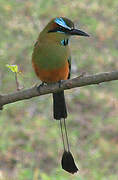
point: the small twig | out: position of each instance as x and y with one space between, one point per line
17 83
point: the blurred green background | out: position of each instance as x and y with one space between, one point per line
30 141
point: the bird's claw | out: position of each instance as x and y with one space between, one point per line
41 85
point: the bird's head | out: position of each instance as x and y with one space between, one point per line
61 27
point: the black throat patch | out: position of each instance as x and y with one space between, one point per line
64 42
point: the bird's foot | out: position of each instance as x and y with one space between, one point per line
41 85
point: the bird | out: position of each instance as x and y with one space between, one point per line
51 61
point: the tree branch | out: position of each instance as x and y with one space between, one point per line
82 80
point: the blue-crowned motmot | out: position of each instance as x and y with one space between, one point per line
52 63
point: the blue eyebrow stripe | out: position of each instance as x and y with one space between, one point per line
62 23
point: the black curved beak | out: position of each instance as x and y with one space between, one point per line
78 32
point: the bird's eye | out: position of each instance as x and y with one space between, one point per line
62 29
56 29
59 29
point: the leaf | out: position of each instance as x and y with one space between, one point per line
13 68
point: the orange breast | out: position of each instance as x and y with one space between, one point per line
54 75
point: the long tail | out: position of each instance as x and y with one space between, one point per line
59 113
59 105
